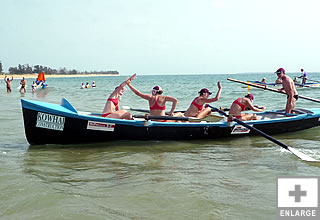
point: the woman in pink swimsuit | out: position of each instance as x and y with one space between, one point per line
196 107
111 108
241 104
157 101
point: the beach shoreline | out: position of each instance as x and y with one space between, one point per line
35 75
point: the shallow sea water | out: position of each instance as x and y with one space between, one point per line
203 179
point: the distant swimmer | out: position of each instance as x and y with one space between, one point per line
8 82
87 85
34 86
264 80
23 84
93 84
82 86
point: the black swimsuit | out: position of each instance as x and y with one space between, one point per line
295 96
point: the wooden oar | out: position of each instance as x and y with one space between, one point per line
273 90
313 80
295 152
142 110
158 117
209 118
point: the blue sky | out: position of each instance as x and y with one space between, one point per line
162 36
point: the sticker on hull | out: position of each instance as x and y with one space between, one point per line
48 121
239 129
100 126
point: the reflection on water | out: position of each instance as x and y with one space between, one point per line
42 93
194 178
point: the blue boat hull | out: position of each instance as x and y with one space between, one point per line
46 123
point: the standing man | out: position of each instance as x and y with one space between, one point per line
303 76
23 84
289 87
8 82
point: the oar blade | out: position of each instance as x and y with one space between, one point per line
301 155
297 153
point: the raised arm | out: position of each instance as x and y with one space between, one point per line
174 103
217 95
138 93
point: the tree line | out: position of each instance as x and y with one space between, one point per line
27 69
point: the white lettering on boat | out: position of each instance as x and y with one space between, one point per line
100 126
239 129
48 121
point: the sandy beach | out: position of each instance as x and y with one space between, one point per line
35 75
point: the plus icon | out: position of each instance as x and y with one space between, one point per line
297 193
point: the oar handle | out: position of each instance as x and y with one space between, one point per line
160 117
143 110
274 90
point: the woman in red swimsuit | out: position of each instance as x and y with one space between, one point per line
157 102
241 104
196 108
111 108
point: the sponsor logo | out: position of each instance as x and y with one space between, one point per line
100 126
239 129
298 198
48 121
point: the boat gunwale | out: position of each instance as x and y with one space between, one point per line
65 112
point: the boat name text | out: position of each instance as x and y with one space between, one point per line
48 121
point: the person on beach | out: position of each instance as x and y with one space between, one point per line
8 83
157 101
242 104
303 76
111 108
289 87
23 84
196 107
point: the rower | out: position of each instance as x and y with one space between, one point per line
241 104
